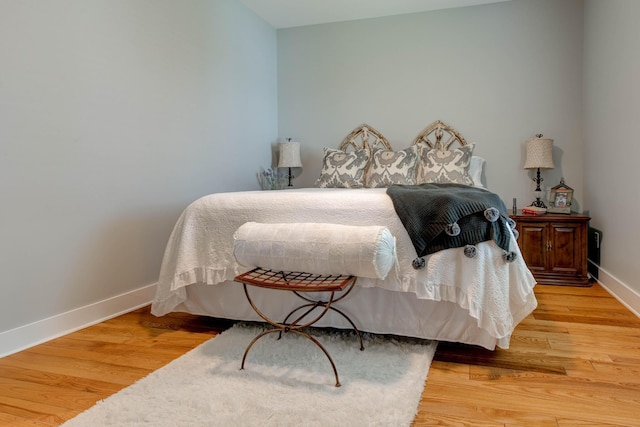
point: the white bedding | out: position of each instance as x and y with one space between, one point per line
490 296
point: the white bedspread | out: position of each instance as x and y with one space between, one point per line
496 293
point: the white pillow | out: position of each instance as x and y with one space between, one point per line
317 248
475 170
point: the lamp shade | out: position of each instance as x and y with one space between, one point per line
289 155
539 153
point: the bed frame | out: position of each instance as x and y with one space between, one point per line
437 130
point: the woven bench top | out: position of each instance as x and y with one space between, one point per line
294 281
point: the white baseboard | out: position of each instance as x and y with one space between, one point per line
620 291
35 333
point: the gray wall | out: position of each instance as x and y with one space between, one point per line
612 129
115 114
499 73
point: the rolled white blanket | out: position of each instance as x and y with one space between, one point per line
317 248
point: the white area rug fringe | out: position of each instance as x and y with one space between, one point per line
285 383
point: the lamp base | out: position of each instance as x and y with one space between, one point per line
538 191
290 176
538 203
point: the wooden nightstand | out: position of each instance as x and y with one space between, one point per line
554 247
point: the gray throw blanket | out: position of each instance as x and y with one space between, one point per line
430 213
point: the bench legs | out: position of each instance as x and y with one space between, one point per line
297 325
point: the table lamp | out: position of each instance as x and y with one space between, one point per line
289 157
539 156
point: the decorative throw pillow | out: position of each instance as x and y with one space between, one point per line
393 167
475 170
437 166
343 170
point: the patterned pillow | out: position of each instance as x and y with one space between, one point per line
343 170
393 167
440 167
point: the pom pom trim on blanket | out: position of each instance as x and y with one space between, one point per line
445 216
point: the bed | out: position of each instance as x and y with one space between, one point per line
476 300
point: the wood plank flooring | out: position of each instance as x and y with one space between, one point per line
574 362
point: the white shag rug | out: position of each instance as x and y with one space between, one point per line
287 382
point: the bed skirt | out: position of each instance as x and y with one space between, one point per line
374 310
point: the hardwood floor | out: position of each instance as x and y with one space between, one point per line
574 362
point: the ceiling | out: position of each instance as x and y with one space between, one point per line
295 13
